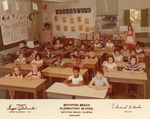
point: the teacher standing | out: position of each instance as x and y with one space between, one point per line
47 34
130 38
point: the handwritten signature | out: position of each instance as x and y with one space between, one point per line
20 107
126 106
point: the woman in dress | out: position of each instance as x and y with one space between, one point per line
130 38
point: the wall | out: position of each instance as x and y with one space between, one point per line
107 7
23 10
52 6
11 11
128 4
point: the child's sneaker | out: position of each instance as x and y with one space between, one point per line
134 94
107 97
130 93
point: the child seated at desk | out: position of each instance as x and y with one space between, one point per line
76 79
109 44
110 65
21 59
99 82
37 60
91 54
35 51
16 73
47 46
97 45
117 56
138 49
70 44
59 62
133 53
34 74
51 53
16 62
82 48
78 62
58 46
133 67
74 54
125 49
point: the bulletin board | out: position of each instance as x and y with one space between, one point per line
13 31
72 22
5 47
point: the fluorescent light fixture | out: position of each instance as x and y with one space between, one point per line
5 5
61 0
34 5
17 5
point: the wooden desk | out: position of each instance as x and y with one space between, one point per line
70 49
81 91
63 53
140 56
98 54
89 64
23 84
122 64
46 61
125 77
105 50
64 73
25 68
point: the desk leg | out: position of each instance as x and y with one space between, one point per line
144 86
35 95
44 91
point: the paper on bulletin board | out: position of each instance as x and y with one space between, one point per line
72 25
13 32
23 31
6 34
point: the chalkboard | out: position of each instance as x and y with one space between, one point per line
2 47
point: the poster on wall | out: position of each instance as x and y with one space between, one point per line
72 25
24 31
79 19
56 18
86 21
65 28
6 34
80 27
13 32
73 28
64 20
71 20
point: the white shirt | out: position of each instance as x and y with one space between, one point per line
109 44
21 60
110 66
37 62
139 50
118 58
75 80
34 74
130 40
97 45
